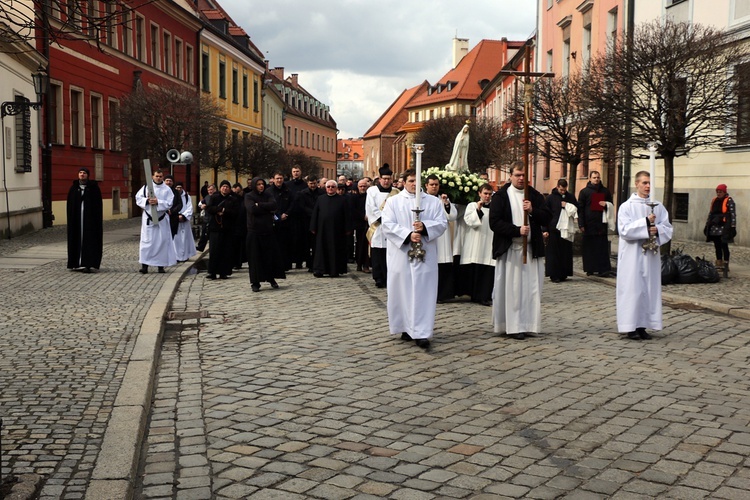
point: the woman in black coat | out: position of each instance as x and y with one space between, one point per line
263 254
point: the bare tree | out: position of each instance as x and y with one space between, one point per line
485 140
672 84
307 164
563 120
156 120
56 20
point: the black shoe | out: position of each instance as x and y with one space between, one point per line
487 303
335 275
273 284
210 276
517 336
405 336
161 270
143 269
634 336
309 269
423 343
86 270
589 274
298 266
318 275
642 334
255 288
555 280
223 277
380 284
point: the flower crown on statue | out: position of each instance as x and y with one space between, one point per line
461 188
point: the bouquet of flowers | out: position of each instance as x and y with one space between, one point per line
461 188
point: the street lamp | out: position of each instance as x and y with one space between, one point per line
41 85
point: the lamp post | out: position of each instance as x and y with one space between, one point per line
18 106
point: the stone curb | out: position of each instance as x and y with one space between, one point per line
117 463
672 299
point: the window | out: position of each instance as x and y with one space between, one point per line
295 136
97 126
74 14
586 45
109 28
743 103
155 62
566 51
23 138
54 108
244 89
612 27
681 206
222 78
255 95
167 43
139 38
189 64
115 142
127 33
76 118
178 59
307 139
235 86
205 72
550 60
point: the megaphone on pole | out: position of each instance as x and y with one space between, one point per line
173 156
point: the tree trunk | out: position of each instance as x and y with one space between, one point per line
573 176
668 193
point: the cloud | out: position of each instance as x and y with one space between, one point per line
358 55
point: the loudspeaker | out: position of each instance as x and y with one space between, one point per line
186 157
173 156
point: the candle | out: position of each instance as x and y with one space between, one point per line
419 149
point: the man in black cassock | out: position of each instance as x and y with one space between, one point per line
330 223
176 208
305 203
559 253
84 223
300 228
282 228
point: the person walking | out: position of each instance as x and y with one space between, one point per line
222 210
156 247
721 226
263 257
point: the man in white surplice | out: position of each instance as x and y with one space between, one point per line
446 278
477 270
516 298
184 243
412 284
157 247
639 272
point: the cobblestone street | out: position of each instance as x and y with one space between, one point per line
301 393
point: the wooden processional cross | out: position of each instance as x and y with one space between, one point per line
528 96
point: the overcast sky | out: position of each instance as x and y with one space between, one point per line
357 56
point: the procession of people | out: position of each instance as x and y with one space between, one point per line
495 251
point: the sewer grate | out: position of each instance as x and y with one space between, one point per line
187 315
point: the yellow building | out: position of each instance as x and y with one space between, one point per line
231 70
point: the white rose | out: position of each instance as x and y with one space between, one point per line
451 184
466 189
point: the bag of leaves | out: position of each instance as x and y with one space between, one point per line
687 269
707 272
668 270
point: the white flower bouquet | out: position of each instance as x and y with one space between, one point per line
461 188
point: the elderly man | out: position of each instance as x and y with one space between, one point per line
359 224
330 225
157 247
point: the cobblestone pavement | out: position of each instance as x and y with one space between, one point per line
301 393
66 338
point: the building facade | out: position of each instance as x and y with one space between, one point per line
350 158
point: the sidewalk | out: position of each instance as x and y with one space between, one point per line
77 370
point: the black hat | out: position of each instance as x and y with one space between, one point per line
178 183
385 170
84 169
169 176
225 182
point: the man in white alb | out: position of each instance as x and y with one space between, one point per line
157 247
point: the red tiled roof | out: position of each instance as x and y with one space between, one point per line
482 62
398 105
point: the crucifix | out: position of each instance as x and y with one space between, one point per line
528 97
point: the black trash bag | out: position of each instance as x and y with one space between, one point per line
707 272
687 269
668 270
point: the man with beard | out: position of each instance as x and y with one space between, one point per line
306 201
412 282
84 223
330 225
222 211
376 198
156 247
592 203
282 228
359 224
516 298
559 253
299 233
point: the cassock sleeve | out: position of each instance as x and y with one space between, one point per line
140 199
